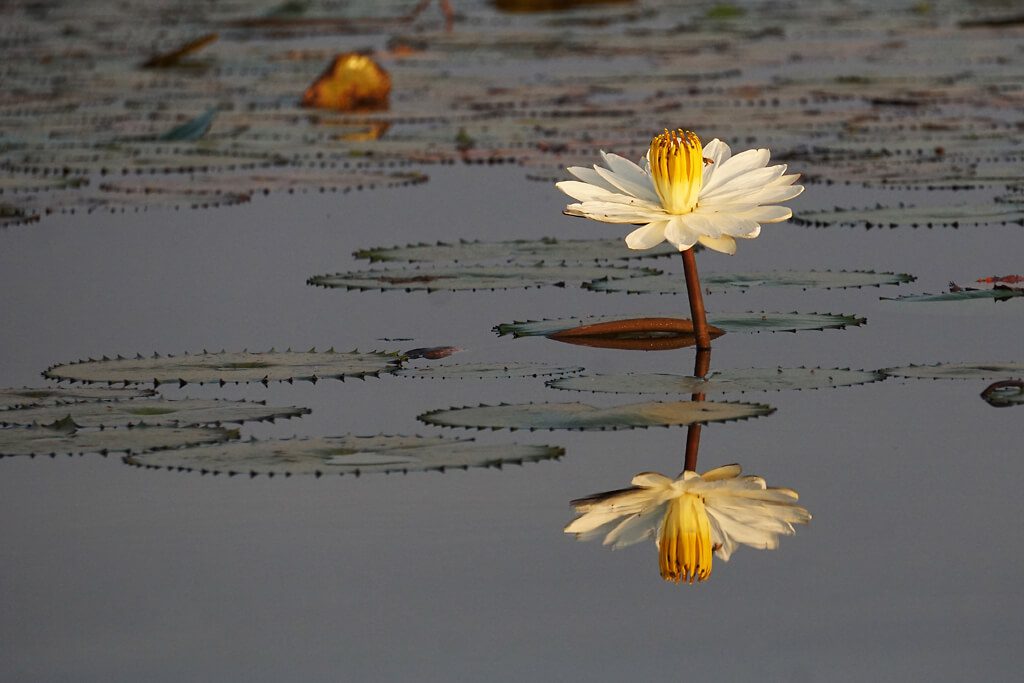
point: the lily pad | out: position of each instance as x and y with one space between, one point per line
1005 393
486 371
724 282
49 440
473 278
26 397
729 322
958 371
997 293
582 416
224 367
158 411
531 251
723 381
348 454
916 216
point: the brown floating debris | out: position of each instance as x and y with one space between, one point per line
635 334
173 58
353 82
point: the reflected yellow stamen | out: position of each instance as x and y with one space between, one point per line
685 549
677 166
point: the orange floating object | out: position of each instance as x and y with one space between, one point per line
353 82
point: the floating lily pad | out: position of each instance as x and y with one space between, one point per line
223 367
47 440
917 216
729 322
997 293
486 371
348 454
749 379
958 371
724 282
587 417
545 249
47 396
460 278
1004 394
159 411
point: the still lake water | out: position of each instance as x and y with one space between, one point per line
910 568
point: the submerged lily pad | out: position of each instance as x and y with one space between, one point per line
26 397
957 371
587 417
486 371
729 322
159 411
530 251
997 293
472 278
748 379
348 454
724 282
223 367
50 440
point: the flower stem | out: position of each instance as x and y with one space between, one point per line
700 369
700 320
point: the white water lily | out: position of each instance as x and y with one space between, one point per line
684 193
691 517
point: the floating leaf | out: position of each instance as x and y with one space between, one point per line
1003 394
587 417
724 282
193 129
223 367
722 381
474 278
44 440
48 396
957 371
173 58
529 251
348 454
486 371
158 411
729 322
997 293
917 216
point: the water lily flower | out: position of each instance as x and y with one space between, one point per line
692 517
684 193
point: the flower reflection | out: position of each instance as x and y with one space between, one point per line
685 193
691 517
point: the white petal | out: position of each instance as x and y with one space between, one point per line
742 163
679 234
701 224
723 472
719 153
650 235
625 184
635 528
609 212
651 480
591 521
748 181
628 172
590 176
726 245
768 214
585 192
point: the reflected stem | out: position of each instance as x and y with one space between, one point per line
693 293
701 366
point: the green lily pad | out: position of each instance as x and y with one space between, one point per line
723 381
25 397
729 322
50 440
472 278
916 216
530 251
348 454
486 371
997 293
224 367
582 416
158 411
724 282
958 371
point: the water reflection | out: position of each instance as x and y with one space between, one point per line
693 517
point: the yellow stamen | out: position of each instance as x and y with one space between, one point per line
685 549
677 165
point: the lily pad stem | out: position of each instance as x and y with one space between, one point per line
699 317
